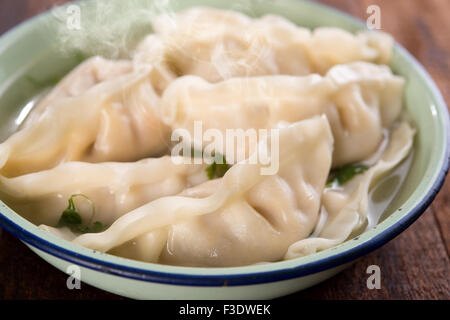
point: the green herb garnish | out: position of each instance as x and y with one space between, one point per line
97 227
218 168
71 218
342 175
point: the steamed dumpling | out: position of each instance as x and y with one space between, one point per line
116 120
244 217
97 69
114 188
85 76
150 52
220 44
359 100
346 208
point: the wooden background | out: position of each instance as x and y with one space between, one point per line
415 265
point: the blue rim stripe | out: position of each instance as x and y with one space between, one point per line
260 277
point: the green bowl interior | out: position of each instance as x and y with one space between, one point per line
39 52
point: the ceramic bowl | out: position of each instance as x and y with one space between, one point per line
34 48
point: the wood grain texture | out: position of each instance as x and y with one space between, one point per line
415 265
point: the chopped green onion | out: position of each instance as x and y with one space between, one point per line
341 175
72 219
218 168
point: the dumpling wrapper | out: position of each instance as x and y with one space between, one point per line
96 70
347 207
114 188
151 52
85 76
359 99
221 44
116 120
240 219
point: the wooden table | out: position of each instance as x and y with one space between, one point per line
415 265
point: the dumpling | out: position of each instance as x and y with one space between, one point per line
243 218
113 188
97 69
220 44
347 207
88 74
359 100
116 120
151 52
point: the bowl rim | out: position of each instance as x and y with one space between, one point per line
249 278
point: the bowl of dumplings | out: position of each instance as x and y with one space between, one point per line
212 150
